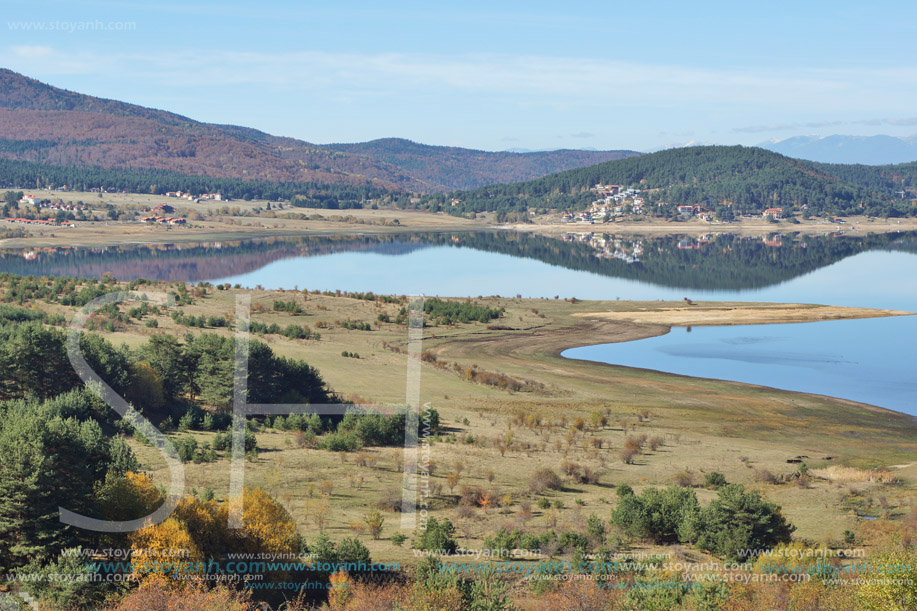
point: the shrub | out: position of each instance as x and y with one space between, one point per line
437 536
627 455
351 551
429 419
635 443
657 514
374 521
186 447
595 528
765 477
222 441
685 479
390 501
340 442
737 520
545 479
715 479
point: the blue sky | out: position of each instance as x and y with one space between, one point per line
490 75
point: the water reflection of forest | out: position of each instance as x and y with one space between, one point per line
720 261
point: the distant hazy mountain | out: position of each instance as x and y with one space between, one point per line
870 150
45 124
459 168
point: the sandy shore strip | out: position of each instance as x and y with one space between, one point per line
757 314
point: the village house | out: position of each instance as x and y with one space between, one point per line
163 220
777 213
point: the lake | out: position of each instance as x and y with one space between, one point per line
864 360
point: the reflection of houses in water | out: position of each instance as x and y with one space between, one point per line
695 243
607 247
774 240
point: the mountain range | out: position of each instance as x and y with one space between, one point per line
869 150
45 124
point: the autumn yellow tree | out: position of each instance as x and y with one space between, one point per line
128 497
268 526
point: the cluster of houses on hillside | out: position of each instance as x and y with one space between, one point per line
159 218
66 207
611 202
196 199
163 220
615 201
32 200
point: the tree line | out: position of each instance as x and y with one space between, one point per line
25 174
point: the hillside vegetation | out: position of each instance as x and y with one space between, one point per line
459 168
751 179
41 123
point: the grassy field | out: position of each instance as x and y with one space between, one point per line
222 220
569 413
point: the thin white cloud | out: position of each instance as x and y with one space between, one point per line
779 127
560 83
32 51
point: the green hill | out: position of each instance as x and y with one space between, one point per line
750 179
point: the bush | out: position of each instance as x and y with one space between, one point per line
737 520
429 419
657 514
627 455
340 442
222 441
373 429
436 536
351 551
685 479
450 312
765 477
186 447
545 479
715 479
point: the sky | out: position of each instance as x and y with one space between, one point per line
490 75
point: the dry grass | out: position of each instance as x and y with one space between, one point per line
840 474
502 438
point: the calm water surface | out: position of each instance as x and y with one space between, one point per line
872 361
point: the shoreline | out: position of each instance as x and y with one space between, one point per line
597 328
777 314
851 402
856 226
246 220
